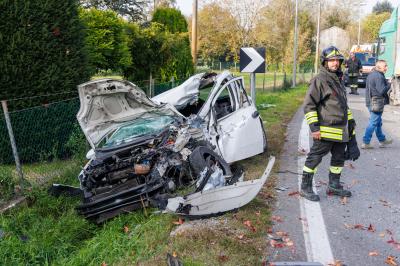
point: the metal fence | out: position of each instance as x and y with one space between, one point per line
49 134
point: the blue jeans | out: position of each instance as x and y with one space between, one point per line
375 124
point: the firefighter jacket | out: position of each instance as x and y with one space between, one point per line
325 107
354 67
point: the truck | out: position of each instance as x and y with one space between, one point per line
366 54
389 50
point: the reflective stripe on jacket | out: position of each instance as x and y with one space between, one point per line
325 107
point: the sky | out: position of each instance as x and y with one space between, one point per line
186 5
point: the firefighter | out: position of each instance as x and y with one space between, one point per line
329 117
354 67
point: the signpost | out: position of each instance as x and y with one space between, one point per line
252 60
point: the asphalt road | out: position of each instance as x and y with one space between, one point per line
362 230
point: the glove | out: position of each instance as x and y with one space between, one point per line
351 127
352 151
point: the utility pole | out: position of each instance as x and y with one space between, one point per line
194 33
295 48
359 21
316 63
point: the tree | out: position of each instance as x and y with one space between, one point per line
218 33
246 14
166 3
305 44
171 18
106 40
382 7
336 16
159 52
273 28
41 44
134 10
371 25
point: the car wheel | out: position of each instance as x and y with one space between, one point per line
202 157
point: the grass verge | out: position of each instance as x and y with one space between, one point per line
48 231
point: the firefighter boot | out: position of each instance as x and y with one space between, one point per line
306 187
353 89
335 188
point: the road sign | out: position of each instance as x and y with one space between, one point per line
252 60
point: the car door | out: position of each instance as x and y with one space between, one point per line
237 127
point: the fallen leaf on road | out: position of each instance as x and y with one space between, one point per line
302 151
385 203
276 244
179 222
281 233
392 241
359 226
351 166
391 261
294 193
343 200
348 226
373 253
336 263
382 235
389 232
276 219
371 228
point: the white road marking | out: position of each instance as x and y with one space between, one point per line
315 236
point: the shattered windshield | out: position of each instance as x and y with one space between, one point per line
152 124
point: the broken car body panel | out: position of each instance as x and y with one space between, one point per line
220 199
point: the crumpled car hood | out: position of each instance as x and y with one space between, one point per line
107 103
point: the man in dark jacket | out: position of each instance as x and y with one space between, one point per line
354 67
328 115
376 86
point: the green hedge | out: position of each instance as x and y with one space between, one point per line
41 44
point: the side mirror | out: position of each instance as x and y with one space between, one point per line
90 154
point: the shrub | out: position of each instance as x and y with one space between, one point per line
41 44
105 40
171 18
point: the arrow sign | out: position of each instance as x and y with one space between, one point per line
252 60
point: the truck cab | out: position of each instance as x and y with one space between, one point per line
389 50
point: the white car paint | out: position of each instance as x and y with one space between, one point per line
221 199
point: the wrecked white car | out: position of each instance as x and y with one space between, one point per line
145 150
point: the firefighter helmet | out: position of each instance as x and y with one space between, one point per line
331 53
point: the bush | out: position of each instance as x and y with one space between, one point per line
106 40
162 53
171 18
41 44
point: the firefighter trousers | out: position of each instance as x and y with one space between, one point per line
319 149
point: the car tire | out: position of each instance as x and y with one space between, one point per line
199 157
